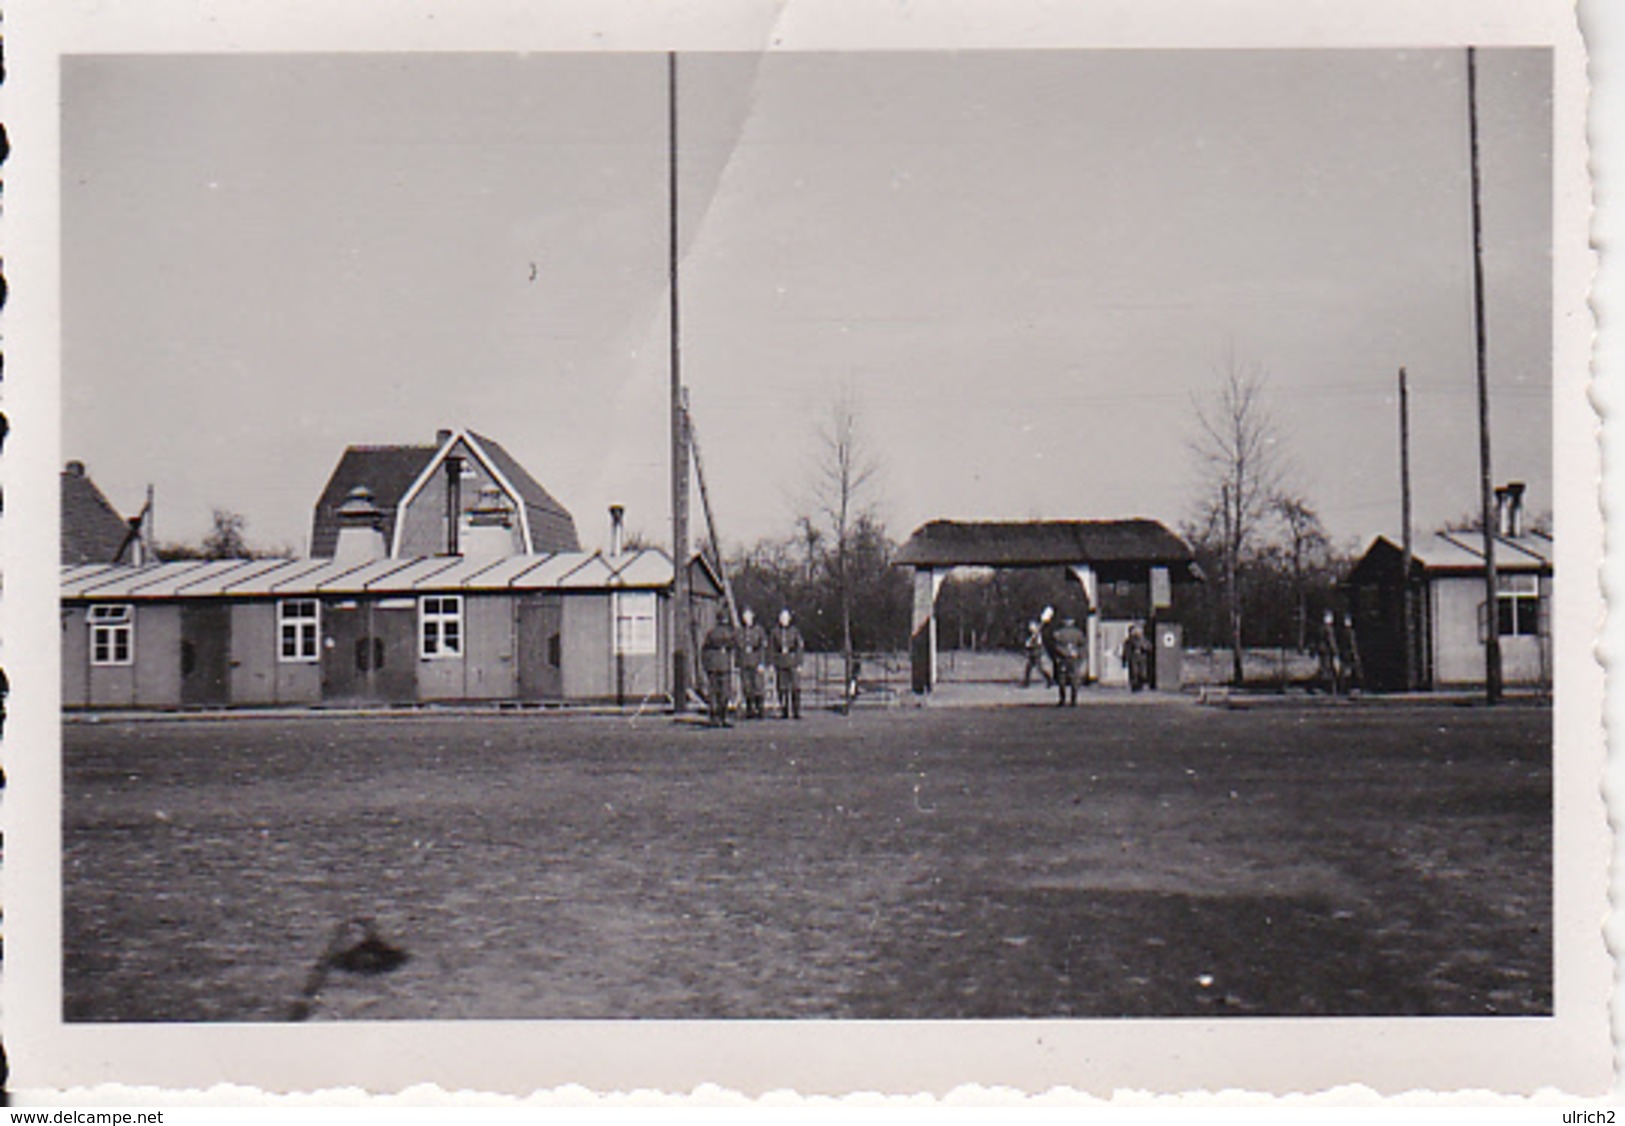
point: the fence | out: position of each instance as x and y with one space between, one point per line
883 681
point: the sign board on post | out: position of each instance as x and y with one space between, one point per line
1162 592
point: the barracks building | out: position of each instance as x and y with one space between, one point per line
438 573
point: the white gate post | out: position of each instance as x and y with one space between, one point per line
923 632
1085 574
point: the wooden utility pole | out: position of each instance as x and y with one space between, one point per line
1486 494
682 626
1407 598
1232 570
710 518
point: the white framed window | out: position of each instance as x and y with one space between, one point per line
440 625
112 635
1517 605
299 623
635 632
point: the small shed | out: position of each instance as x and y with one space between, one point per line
1449 619
1140 560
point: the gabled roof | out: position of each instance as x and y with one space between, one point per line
396 473
552 528
92 529
1453 553
388 471
1030 543
544 523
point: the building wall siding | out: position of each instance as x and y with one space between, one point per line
441 678
258 674
491 670
75 657
1458 650
587 661
642 676
112 686
299 683
158 655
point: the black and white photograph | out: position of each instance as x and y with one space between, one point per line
1041 539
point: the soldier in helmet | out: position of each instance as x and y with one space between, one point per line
1137 657
751 649
1069 646
787 648
717 657
1034 647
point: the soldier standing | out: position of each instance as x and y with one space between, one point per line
1034 646
1069 646
752 652
1331 661
716 657
787 647
1137 656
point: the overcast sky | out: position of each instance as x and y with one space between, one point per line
1022 265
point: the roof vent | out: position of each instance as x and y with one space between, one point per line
490 526
74 469
358 508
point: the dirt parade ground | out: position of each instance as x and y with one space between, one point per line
1131 860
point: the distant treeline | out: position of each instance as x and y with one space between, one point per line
1283 599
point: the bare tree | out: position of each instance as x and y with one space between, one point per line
1237 445
842 477
225 539
811 538
1306 541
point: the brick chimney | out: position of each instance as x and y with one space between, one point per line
361 529
1514 505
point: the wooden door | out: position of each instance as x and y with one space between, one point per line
345 657
541 648
205 654
395 651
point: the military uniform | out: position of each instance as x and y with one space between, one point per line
1034 646
716 658
787 648
1137 656
751 642
1070 643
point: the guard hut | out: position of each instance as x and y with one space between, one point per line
1128 570
1449 620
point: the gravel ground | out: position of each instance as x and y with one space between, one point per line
951 863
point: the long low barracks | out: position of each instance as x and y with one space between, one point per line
562 626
